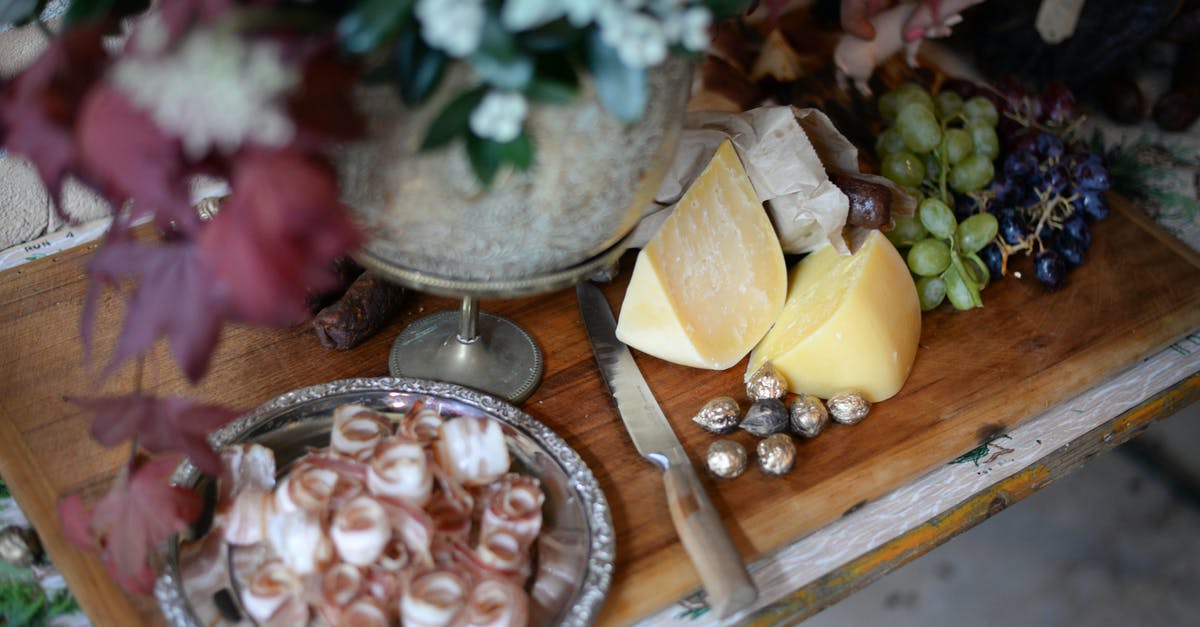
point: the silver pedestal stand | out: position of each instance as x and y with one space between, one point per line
476 349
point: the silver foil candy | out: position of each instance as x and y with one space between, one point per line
720 415
766 382
725 459
848 408
766 417
807 415
777 454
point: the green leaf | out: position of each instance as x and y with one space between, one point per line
499 60
557 36
453 120
87 11
513 72
419 68
621 89
722 9
485 158
372 23
518 152
555 81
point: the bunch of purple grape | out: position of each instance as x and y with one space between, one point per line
1048 189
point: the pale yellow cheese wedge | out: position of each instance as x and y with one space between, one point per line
711 281
850 322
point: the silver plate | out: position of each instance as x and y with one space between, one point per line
574 555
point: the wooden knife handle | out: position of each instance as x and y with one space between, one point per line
707 543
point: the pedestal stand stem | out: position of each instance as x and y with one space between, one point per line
468 320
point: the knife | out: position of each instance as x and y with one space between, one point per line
699 526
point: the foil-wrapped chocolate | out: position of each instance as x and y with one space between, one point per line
725 459
765 383
848 408
807 415
720 415
766 417
777 454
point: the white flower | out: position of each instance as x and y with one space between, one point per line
215 91
638 38
455 27
582 12
499 116
694 28
519 15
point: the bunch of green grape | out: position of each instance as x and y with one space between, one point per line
943 253
935 141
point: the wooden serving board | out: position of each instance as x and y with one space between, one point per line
977 374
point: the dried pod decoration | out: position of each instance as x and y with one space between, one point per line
725 459
807 415
19 546
766 383
777 454
848 408
719 415
766 417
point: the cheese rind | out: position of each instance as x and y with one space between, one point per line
850 323
712 280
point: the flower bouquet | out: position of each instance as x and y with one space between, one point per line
135 101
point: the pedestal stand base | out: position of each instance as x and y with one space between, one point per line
503 360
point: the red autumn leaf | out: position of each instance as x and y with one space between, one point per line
323 105
162 425
130 157
173 297
39 108
74 518
276 235
133 519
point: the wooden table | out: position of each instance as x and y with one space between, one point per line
1058 376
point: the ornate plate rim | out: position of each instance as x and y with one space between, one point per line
587 601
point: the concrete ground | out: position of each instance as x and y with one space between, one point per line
1116 543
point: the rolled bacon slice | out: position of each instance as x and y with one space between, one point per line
472 450
496 602
341 584
244 521
421 424
399 469
360 531
514 505
299 540
307 488
246 466
433 598
357 429
270 586
364 611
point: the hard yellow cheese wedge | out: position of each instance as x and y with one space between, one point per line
709 284
850 322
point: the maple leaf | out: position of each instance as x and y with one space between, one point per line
276 235
40 106
129 157
323 105
173 297
140 513
162 425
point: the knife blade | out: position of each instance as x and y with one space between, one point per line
697 522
